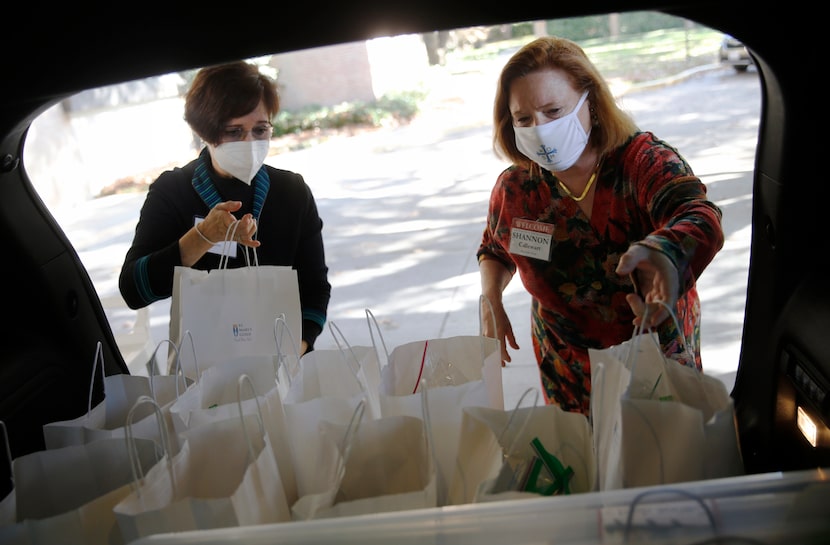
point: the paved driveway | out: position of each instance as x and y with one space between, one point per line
404 209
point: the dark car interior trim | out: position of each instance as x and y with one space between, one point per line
54 317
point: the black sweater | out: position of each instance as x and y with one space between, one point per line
288 227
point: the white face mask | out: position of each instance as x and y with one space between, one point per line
241 159
555 145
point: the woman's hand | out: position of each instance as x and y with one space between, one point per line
503 331
657 279
213 230
494 278
217 225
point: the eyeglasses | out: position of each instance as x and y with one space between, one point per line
237 134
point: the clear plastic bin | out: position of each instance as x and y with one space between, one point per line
771 508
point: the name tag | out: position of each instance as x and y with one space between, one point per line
225 247
531 239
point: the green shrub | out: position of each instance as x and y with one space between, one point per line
398 108
650 45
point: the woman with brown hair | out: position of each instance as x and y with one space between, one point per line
603 222
187 211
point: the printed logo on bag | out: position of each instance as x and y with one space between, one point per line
242 333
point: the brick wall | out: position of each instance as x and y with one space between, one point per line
324 76
359 71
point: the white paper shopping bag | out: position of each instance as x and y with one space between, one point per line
445 362
107 418
304 439
722 456
495 445
224 475
371 466
66 495
642 402
345 372
231 312
216 397
449 361
462 371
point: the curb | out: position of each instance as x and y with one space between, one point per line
669 80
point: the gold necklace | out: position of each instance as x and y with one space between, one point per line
587 186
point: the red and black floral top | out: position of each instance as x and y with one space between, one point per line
646 194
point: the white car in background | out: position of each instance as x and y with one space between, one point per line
734 53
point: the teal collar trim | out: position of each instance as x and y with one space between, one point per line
204 186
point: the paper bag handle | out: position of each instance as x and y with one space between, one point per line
680 334
230 232
135 464
354 363
177 369
245 379
370 320
8 453
246 251
351 431
97 361
180 369
513 415
633 349
428 436
281 326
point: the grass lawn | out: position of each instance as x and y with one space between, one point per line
634 58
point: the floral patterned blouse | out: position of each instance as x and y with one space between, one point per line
646 194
